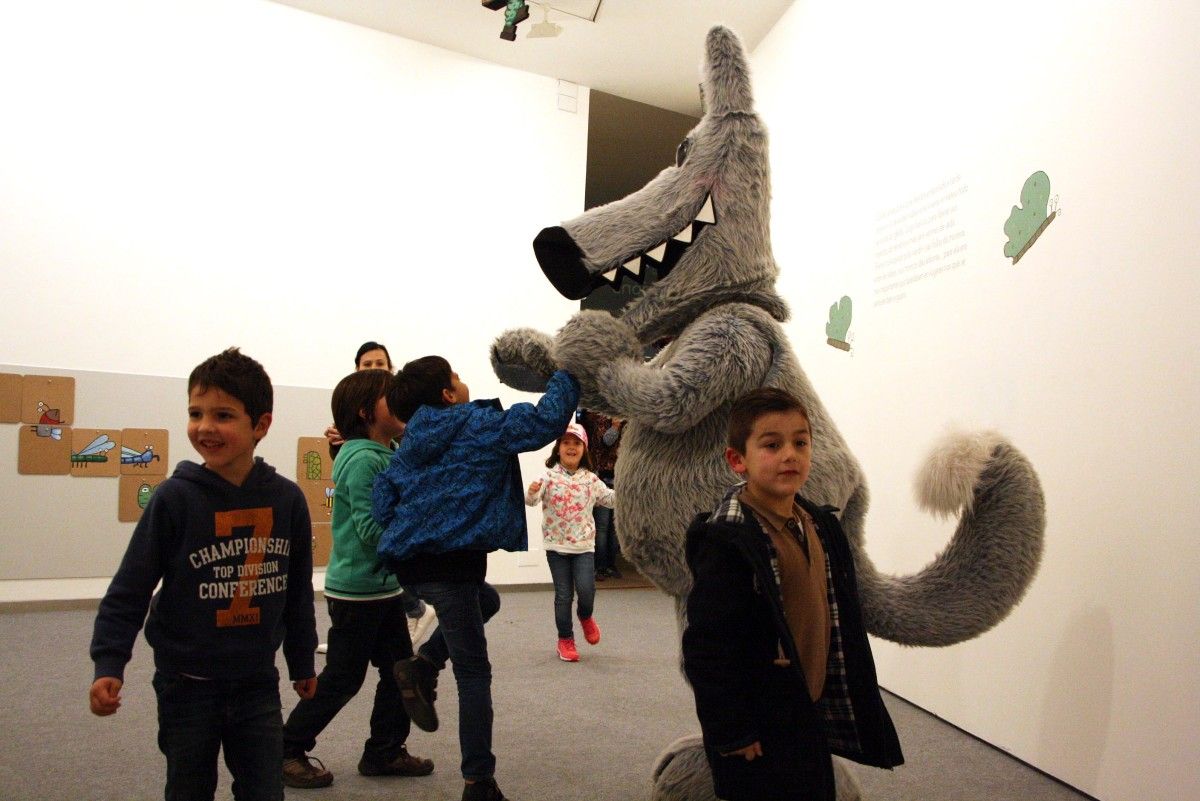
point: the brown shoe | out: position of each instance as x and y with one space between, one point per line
404 764
302 773
417 680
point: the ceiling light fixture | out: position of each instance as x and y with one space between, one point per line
545 28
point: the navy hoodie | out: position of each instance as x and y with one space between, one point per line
236 571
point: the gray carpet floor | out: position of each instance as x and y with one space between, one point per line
589 730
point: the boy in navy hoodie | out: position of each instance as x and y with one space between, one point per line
231 541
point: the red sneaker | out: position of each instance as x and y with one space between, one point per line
567 652
591 632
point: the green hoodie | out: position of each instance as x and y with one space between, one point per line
354 572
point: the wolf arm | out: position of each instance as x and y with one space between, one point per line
717 358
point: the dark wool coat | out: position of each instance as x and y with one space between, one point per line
736 630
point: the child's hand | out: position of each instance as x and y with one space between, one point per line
105 696
333 436
749 753
535 487
305 688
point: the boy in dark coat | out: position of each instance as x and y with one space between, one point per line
775 647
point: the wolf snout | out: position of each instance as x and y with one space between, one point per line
562 262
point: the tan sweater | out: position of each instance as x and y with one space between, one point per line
803 587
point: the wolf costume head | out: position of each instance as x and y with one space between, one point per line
697 238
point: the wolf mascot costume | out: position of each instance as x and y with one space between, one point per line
700 230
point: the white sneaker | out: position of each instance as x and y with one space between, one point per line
418 627
323 648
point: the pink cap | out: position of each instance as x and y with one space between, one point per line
577 430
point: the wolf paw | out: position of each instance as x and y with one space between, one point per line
591 341
521 359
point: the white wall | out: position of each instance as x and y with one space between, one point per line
1084 352
179 177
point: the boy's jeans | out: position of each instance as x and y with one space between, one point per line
573 574
361 633
462 609
197 718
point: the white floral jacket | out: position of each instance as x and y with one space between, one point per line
567 501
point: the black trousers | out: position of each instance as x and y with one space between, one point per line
361 633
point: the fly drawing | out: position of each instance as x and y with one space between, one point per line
49 422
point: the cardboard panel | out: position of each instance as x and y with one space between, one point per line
313 462
44 450
10 397
95 452
48 400
322 543
319 495
144 451
133 493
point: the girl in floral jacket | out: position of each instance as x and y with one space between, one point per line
568 492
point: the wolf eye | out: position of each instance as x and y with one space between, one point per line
681 152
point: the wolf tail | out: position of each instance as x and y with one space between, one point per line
991 560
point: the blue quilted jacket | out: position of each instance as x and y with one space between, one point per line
455 484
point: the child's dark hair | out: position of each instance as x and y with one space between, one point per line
354 400
419 383
236 374
754 405
367 347
584 461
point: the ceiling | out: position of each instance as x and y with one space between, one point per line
644 50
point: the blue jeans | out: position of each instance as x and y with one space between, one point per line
606 537
361 633
573 574
462 609
197 718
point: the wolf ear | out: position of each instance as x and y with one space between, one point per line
726 86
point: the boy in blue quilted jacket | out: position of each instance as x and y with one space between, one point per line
452 494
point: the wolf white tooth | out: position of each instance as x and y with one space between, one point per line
707 215
658 253
634 266
611 275
685 235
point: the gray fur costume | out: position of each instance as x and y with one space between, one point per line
701 229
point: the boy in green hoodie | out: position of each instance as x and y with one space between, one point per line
366 607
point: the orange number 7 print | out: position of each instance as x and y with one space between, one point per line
240 612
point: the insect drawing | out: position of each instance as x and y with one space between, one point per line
143 494
49 422
312 466
96 451
143 458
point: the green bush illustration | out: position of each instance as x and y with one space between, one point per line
839 319
1027 220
